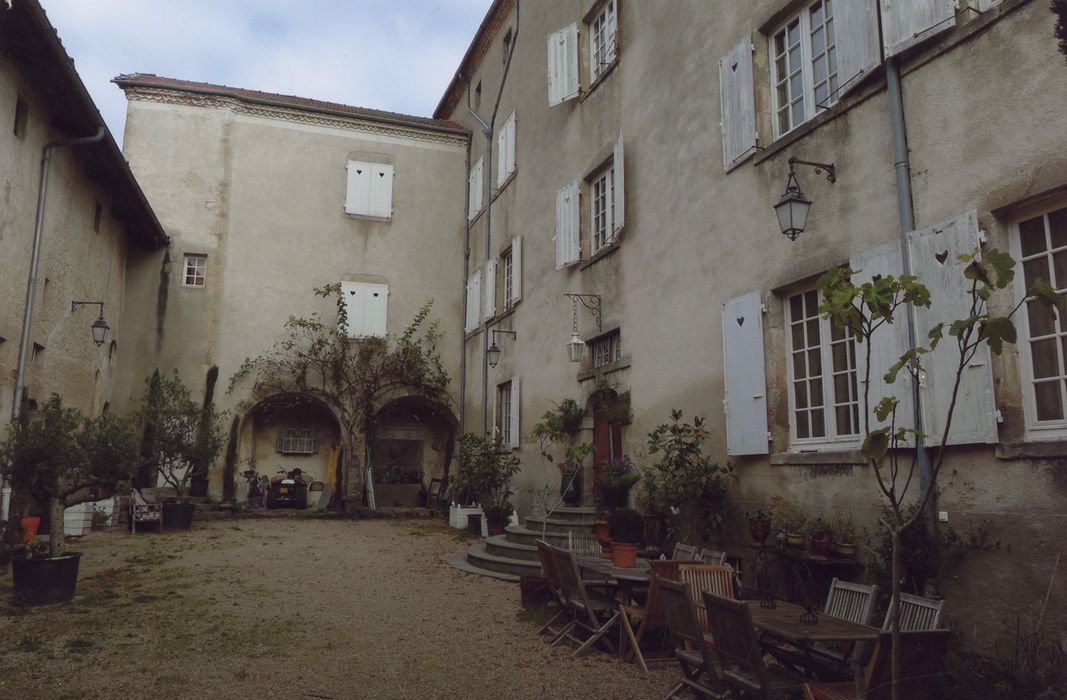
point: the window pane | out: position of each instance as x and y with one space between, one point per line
840 355
815 390
1045 360
1040 318
821 94
794 33
841 388
1059 266
819 65
813 331
798 336
798 112
818 424
801 394
1049 402
816 14
1032 236
1057 223
815 362
1033 269
800 370
818 42
796 87
811 302
1064 355
783 121
843 414
802 424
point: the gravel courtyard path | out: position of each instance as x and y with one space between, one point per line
293 608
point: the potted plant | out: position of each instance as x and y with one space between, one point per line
627 529
497 516
484 469
790 520
181 439
63 459
616 480
819 537
759 525
844 530
571 473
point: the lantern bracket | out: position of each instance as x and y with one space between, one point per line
828 168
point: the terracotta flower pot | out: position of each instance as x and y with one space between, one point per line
795 540
624 555
760 530
845 550
819 544
30 527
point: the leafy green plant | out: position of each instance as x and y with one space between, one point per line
754 515
685 481
843 527
626 526
788 516
616 480
557 425
62 458
483 472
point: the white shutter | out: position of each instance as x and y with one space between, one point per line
366 306
563 65
907 22
357 192
381 191
933 258
513 438
474 195
744 376
516 269
490 289
856 32
738 104
619 201
474 301
887 345
568 243
984 5
505 150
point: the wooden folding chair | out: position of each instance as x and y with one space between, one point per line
712 556
920 662
593 615
433 494
583 545
563 613
699 672
651 617
685 551
716 578
739 653
916 613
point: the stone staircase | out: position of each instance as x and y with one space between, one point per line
514 553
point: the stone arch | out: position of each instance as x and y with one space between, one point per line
413 446
286 431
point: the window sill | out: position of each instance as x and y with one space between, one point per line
828 457
503 186
600 254
369 217
1032 449
608 70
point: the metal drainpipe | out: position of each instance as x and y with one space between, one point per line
487 130
466 276
907 223
31 282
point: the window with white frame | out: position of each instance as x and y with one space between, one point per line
474 190
803 66
505 153
297 441
602 46
503 410
1040 243
507 275
823 394
369 189
602 209
195 270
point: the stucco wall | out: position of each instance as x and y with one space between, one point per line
984 131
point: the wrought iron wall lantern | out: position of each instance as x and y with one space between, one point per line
793 207
493 354
576 346
98 327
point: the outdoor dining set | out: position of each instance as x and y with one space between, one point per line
730 641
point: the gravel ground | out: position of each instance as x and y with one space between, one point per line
294 608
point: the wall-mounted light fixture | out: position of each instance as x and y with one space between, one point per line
792 208
576 346
493 354
99 327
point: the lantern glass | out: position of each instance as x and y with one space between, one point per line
493 354
99 329
576 348
792 210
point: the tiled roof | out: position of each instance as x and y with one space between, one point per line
156 81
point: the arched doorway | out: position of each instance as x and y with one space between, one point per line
411 450
611 412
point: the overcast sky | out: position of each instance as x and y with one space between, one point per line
396 55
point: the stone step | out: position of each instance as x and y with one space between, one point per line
478 557
555 524
501 546
459 561
526 536
577 513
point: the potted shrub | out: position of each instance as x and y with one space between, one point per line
627 528
790 520
181 439
844 530
571 472
819 537
497 516
613 484
484 469
63 459
759 525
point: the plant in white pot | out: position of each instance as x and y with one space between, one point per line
61 458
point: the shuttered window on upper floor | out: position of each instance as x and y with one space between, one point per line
366 309
370 189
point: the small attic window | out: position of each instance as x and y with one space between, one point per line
507 45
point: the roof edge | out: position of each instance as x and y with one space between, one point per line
470 55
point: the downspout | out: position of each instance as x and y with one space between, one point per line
466 276
906 214
487 130
35 257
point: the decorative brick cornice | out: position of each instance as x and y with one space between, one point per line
288 114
